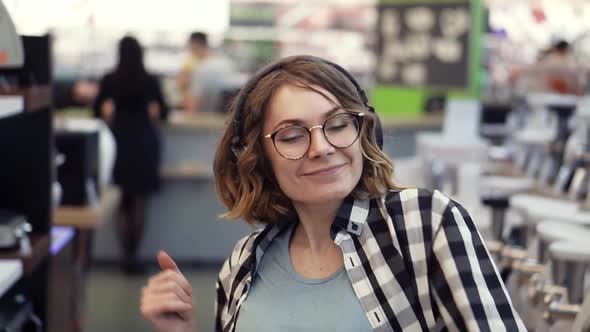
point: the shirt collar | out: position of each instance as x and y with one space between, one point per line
351 217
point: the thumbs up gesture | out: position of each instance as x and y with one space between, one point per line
167 300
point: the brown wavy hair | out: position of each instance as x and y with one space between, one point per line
247 185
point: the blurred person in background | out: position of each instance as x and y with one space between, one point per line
130 100
557 71
183 79
214 77
80 92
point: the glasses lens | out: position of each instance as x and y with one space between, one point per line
342 130
292 142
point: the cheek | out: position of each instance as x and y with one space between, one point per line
284 173
281 167
357 159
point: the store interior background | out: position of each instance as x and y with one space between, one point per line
494 40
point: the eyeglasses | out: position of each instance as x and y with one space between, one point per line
340 130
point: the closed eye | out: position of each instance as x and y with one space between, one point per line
290 139
338 127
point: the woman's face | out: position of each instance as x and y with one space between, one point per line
325 173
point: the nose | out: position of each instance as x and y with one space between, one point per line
318 146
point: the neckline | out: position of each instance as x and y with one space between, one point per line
296 276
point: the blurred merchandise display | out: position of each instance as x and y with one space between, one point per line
341 31
409 44
520 33
85 32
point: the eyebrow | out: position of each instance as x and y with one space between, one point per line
301 122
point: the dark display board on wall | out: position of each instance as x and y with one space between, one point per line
424 44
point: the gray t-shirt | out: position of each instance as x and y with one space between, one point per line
281 300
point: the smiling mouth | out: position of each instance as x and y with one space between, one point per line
324 170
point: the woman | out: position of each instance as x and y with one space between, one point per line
343 248
130 101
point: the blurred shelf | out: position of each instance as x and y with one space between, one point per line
35 97
39 251
182 120
212 121
412 122
187 171
89 216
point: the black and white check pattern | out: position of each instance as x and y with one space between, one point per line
414 259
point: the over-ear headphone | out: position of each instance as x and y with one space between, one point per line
237 144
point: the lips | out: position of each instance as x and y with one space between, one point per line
324 170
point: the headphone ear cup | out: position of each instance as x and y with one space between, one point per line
236 147
378 127
238 150
378 132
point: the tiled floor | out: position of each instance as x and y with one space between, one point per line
112 299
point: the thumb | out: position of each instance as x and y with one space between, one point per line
166 262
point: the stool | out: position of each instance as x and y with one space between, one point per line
497 192
569 262
552 231
570 259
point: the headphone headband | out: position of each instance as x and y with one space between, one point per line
237 145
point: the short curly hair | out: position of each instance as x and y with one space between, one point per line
246 184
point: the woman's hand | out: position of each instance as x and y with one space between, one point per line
167 300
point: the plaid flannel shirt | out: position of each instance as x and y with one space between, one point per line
414 258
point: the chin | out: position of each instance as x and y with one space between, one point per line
317 195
